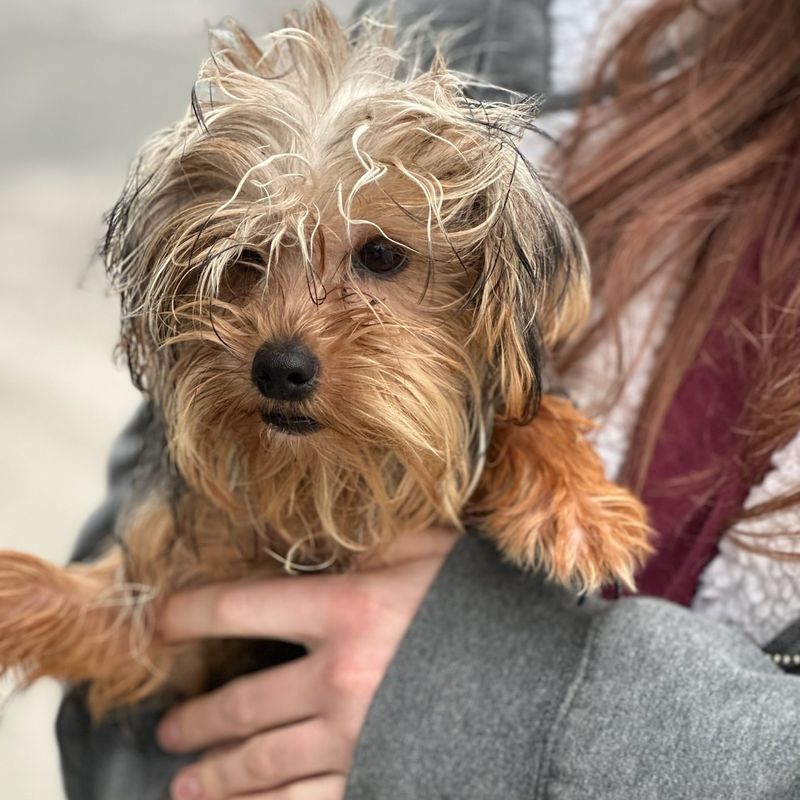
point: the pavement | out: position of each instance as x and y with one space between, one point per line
83 82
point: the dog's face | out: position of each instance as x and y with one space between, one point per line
334 280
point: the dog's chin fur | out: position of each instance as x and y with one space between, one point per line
242 225
388 455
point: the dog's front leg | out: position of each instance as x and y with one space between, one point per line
545 500
91 622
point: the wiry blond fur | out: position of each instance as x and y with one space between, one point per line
238 227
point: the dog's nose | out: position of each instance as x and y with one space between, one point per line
285 370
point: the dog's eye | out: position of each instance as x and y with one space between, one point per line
250 257
380 257
250 264
242 275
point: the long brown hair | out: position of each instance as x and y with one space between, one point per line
681 159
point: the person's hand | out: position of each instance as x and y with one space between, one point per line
290 732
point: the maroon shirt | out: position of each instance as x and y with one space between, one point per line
696 483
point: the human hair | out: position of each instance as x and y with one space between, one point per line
684 156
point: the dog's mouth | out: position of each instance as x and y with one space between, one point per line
294 426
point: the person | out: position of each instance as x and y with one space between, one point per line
441 672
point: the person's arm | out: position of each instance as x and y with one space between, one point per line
503 687
517 692
308 712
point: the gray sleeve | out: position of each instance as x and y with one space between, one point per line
505 688
117 759
125 456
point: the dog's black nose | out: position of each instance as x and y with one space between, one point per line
285 370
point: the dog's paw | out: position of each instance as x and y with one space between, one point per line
586 546
68 623
547 504
31 619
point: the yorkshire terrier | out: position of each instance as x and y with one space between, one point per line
338 277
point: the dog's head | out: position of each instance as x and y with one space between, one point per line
336 273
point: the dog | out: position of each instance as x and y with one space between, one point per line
339 279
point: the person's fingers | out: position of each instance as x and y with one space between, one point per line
247 705
265 762
290 609
325 787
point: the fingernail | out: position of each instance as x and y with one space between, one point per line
187 787
169 735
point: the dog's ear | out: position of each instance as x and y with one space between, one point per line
140 228
165 178
533 291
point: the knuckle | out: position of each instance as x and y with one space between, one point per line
350 725
329 788
259 760
349 676
236 709
228 608
336 676
350 606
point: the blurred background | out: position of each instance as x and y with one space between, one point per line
83 82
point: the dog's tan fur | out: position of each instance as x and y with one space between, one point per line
237 227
